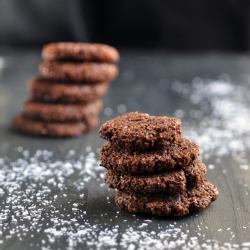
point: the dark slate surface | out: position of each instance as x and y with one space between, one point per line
52 194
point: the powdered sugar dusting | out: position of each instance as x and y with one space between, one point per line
37 198
220 122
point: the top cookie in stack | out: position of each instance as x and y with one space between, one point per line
154 169
139 131
66 98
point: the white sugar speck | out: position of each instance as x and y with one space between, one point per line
246 244
121 108
108 111
211 166
244 167
88 149
179 113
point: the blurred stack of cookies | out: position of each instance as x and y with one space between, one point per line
66 98
155 170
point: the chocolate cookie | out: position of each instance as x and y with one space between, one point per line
26 125
141 131
195 199
59 112
78 72
171 182
181 152
56 91
80 51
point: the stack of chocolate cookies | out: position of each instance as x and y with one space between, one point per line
66 98
155 170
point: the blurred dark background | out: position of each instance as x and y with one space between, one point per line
157 24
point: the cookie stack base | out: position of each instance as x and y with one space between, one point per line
26 125
195 199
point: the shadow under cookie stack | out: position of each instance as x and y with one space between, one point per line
155 170
66 99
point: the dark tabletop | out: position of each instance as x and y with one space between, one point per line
52 191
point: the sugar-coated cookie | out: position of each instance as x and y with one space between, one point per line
26 125
78 72
181 152
195 199
170 182
58 91
80 51
140 131
60 112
